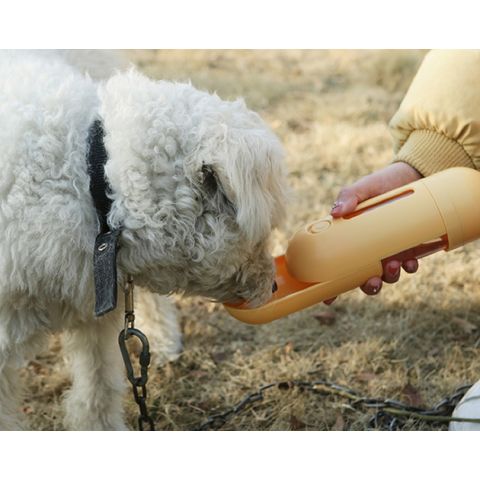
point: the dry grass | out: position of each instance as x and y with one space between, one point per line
330 108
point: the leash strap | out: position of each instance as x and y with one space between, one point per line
106 242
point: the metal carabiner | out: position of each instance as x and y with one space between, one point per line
144 355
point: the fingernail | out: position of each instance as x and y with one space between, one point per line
392 269
410 267
336 205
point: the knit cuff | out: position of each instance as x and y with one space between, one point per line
430 152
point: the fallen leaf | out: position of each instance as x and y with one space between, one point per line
365 376
296 423
296 126
326 317
288 348
339 423
219 357
412 395
203 406
464 324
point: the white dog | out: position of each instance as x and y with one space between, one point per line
197 185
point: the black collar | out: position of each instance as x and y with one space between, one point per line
106 242
96 158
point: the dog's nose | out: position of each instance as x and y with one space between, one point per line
274 287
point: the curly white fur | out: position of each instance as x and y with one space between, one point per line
198 183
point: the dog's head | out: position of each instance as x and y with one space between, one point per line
199 183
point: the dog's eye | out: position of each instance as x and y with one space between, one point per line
210 184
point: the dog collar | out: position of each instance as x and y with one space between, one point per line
106 242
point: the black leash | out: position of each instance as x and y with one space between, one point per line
389 414
105 271
138 382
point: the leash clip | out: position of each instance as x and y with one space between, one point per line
138 382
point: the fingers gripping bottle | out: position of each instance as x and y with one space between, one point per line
331 256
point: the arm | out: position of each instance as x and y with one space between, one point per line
437 126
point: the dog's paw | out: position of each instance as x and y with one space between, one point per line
89 424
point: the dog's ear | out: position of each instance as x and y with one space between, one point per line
214 191
240 157
209 180
257 182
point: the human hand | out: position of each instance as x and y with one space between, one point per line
389 178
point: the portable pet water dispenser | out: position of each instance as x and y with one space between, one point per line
331 256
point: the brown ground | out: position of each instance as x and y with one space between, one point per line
416 342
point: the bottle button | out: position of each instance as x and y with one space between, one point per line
319 226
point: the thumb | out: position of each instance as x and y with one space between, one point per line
346 202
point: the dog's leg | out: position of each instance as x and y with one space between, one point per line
157 317
95 399
10 418
20 339
22 335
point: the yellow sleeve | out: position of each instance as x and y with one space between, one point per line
437 125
